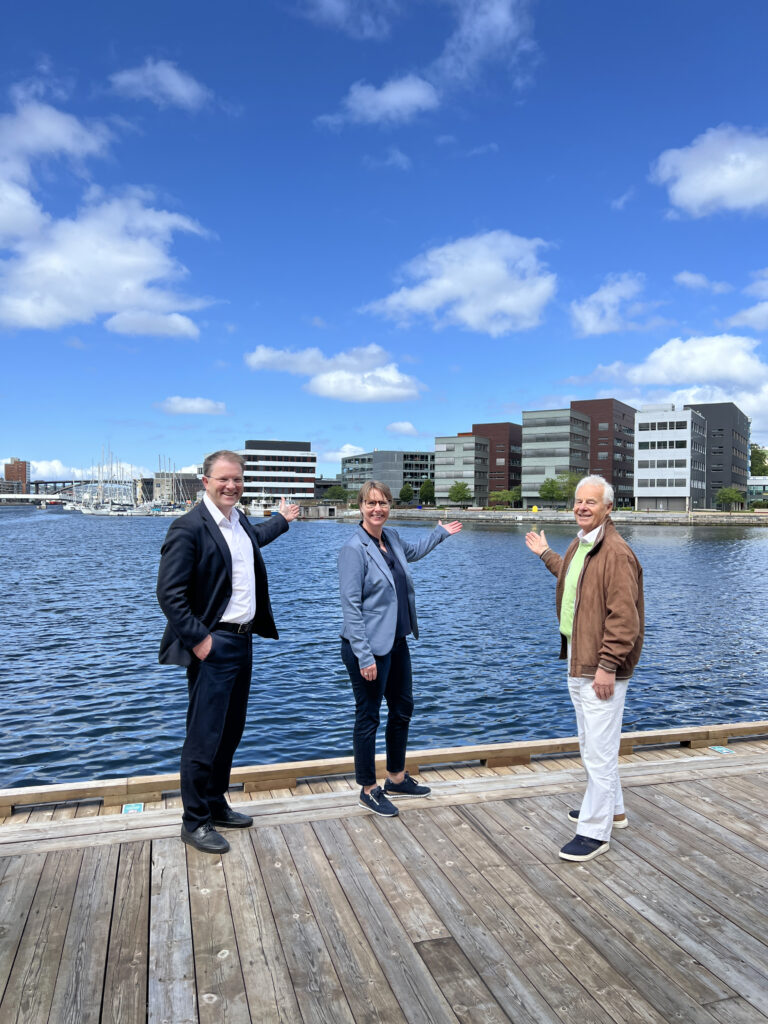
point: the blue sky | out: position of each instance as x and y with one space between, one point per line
366 223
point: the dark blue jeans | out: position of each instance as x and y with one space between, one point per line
218 702
395 683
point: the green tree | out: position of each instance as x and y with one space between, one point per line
517 494
729 496
500 498
568 482
758 460
460 493
551 490
427 492
406 493
337 493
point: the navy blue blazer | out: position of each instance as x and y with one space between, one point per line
367 588
194 583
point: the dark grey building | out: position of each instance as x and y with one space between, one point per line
727 447
392 468
555 442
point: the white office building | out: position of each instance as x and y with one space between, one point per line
277 468
670 458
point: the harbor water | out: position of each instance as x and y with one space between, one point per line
84 697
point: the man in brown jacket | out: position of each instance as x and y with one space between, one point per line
599 598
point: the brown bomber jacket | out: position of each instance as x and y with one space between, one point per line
609 616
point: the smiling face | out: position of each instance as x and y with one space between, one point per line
225 485
375 512
590 507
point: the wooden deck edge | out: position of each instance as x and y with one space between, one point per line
85 832
271 776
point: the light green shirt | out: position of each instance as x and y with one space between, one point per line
569 590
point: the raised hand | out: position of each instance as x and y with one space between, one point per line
288 512
452 528
536 542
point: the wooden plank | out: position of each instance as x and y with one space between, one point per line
125 980
504 953
541 942
171 989
218 973
268 985
413 910
650 962
365 986
28 994
736 1011
80 980
708 802
460 983
150 787
315 982
416 991
18 883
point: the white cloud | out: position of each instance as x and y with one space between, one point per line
359 375
194 468
178 406
54 469
489 147
621 201
725 168
755 317
603 311
396 102
161 82
394 158
759 286
487 30
163 325
493 283
689 279
111 257
341 453
722 359
361 19
403 428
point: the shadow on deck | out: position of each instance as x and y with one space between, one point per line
457 911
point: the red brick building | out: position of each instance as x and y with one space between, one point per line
612 444
504 454
18 471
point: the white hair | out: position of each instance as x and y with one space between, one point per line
597 481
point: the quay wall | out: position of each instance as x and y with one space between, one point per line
512 517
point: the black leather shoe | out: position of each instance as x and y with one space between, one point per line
231 819
204 838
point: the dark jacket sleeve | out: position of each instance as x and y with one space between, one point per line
179 557
270 530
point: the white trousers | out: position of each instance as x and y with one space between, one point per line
599 725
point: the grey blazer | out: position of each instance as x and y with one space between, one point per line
368 598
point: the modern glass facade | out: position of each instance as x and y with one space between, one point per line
555 442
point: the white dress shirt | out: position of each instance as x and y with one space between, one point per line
242 604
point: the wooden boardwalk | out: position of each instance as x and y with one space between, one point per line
457 911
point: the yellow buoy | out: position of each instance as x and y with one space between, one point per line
535 508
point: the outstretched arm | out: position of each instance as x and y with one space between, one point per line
537 543
288 512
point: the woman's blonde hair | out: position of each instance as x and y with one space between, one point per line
373 485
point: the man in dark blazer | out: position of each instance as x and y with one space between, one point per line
212 588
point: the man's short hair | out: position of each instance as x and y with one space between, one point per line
597 481
225 456
373 485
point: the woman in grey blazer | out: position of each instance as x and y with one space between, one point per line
379 607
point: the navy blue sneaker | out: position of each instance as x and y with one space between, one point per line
376 801
583 848
405 788
619 820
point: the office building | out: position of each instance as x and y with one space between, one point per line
505 453
670 458
274 469
176 488
727 447
392 468
757 488
555 442
612 444
19 471
462 458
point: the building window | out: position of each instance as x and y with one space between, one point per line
602 455
602 426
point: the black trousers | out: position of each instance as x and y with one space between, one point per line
218 703
394 683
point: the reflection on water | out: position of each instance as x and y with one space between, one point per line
84 697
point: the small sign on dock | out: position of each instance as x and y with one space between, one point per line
132 808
